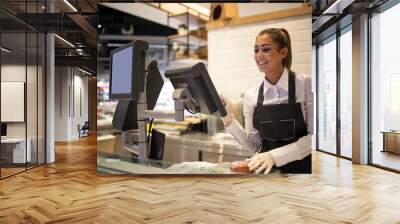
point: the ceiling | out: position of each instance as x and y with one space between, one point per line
74 21
19 54
332 15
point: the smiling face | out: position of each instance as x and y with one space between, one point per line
267 54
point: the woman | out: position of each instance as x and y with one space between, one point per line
278 113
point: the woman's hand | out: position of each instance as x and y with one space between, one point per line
228 119
260 162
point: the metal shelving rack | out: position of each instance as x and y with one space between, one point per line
193 38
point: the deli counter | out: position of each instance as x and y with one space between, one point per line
190 153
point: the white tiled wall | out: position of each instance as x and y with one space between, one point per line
230 53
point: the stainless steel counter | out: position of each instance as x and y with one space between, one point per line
112 164
218 149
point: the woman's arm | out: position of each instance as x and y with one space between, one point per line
248 137
249 140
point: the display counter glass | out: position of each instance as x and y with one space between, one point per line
193 153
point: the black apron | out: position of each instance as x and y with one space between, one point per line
280 125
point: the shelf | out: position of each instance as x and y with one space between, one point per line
189 59
179 62
193 40
194 20
199 53
105 38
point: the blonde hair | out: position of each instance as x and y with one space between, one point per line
281 37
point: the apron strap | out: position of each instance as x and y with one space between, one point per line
292 88
260 99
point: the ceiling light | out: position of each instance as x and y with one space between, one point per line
70 5
86 72
5 49
337 7
65 41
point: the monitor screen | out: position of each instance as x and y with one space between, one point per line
127 73
199 83
122 71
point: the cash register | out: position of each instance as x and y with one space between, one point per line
137 88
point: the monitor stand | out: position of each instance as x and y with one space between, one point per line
136 141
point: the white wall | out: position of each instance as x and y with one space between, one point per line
16 73
230 53
81 84
33 127
69 85
13 72
13 101
61 103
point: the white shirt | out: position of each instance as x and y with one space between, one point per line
277 94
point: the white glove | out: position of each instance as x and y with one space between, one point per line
260 162
228 119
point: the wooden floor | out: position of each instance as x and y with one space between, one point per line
70 191
5 172
8 171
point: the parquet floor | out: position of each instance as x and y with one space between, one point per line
70 191
10 171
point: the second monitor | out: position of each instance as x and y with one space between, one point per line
196 79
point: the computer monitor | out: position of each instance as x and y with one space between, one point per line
125 115
127 71
154 85
3 129
197 80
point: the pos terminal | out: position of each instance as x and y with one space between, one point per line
137 90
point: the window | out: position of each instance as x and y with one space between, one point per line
22 75
327 96
385 88
346 93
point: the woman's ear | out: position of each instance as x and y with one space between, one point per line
284 52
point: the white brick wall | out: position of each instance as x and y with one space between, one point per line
230 53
